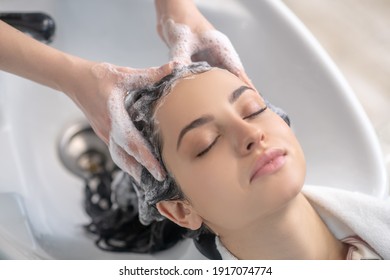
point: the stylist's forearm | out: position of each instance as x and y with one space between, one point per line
28 58
181 11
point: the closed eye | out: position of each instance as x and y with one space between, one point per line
208 147
256 113
216 139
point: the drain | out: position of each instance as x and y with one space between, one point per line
82 152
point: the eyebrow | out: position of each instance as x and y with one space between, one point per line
237 93
208 118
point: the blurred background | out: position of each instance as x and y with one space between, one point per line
356 35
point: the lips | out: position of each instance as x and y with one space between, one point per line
269 162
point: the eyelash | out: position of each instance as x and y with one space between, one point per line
208 148
215 140
256 113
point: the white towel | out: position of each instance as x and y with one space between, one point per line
352 213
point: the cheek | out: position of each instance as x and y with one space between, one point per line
280 133
294 176
212 188
205 181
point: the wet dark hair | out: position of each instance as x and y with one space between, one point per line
114 217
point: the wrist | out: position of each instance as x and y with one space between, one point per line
76 77
182 12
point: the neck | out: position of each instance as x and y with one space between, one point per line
294 232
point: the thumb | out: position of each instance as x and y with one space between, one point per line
155 74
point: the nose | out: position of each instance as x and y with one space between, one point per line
247 137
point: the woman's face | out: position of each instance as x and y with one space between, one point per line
235 162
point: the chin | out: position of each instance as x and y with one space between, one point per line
289 182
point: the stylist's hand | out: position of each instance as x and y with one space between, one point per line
190 37
97 88
102 100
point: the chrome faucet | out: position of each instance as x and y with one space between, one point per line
38 25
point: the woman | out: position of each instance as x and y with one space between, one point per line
235 168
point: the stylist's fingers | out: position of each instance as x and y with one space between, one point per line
138 78
219 51
179 39
131 153
125 162
128 138
126 141
181 54
109 118
137 147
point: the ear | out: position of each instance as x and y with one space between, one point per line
181 213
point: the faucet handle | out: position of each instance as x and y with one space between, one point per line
38 25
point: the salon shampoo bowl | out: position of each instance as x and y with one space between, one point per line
41 213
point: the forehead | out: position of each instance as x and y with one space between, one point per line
197 93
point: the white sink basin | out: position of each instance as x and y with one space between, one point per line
41 202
